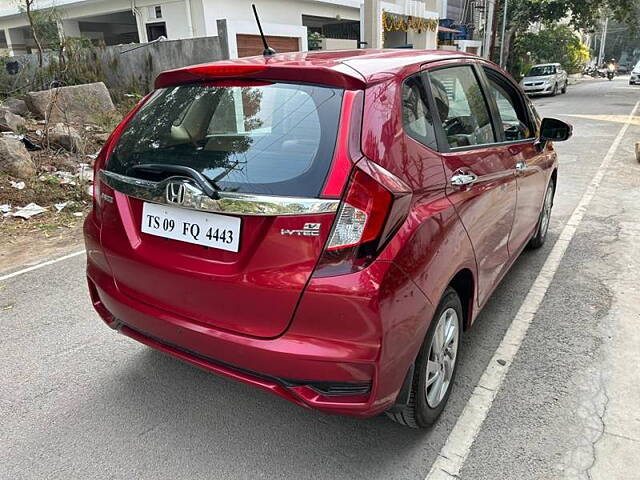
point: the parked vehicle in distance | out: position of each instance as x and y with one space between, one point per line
324 226
635 75
545 79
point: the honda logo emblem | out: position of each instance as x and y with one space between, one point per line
175 193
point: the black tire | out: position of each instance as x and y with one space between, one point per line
540 236
564 89
418 413
555 90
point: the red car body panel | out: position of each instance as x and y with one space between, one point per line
271 270
260 316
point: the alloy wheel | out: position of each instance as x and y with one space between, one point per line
442 357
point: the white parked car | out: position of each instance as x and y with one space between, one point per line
545 79
635 75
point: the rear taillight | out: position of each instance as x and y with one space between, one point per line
103 157
374 206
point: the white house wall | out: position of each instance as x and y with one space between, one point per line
288 12
173 13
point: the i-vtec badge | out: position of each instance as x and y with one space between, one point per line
309 230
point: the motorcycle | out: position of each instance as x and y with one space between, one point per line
590 70
611 71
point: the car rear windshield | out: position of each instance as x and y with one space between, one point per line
265 139
542 71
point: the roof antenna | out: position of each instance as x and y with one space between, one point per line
268 51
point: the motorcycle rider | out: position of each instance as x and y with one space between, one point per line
611 69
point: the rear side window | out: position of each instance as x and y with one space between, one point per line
417 119
462 107
268 139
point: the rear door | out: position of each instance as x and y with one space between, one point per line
482 183
216 214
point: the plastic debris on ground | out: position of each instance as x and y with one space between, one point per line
63 178
60 206
78 214
5 208
30 144
29 211
17 136
18 185
85 172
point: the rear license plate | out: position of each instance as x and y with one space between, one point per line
200 228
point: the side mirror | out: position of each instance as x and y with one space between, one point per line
553 130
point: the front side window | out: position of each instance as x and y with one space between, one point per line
273 139
462 107
417 119
513 114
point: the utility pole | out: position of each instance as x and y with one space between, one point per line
503 60
603 41
488 28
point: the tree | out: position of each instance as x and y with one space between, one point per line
557 43
44 28
28 7
581 14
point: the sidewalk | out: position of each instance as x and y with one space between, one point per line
569 408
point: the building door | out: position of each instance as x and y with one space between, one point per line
249 45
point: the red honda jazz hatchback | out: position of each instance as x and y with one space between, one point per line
323 226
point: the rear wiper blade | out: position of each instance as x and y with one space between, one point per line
207 186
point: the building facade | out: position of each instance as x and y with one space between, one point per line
287 23
467 20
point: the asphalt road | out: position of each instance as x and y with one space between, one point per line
79 401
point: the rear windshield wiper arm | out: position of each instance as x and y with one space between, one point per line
208 187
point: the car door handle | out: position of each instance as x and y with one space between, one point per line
521 167
460 179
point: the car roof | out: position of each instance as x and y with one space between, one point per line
358 67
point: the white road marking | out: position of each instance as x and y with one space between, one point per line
456 450
40 265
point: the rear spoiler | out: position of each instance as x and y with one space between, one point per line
340 75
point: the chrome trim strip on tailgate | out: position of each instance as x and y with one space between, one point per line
229 202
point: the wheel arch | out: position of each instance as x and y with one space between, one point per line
463 282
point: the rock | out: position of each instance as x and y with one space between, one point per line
16 106
15 159
79 103
65 136
10 122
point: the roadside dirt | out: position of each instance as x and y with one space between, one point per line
25 242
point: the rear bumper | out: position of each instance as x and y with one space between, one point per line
318 363
280 366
